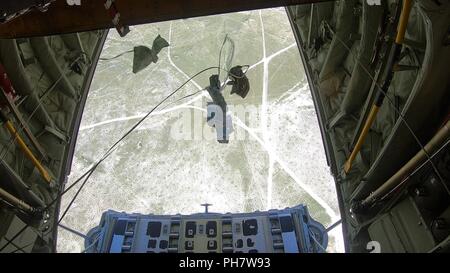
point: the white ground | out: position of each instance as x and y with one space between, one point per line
280 163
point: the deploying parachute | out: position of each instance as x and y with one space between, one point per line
217 116
144 56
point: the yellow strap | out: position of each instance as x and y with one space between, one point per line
404 17
362 137
27 151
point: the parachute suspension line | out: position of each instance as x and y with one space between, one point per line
335 224
77 233
220 54
313 236
117 56
14 237
88 174
91 170
229 57
92 244
182 98
115 145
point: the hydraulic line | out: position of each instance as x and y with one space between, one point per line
441 136
16 202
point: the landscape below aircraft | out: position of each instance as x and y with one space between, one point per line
378 72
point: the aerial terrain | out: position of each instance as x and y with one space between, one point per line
173 163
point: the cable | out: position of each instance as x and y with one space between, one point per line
317 242
89 172
14 237
12 139
228 60
182 98
117 56
93 243
20 130
21 248
16 246
75 232
6 147
220 54
337 223
115 145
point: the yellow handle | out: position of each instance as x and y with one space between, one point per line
362 137
404 17
403 23
27 151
